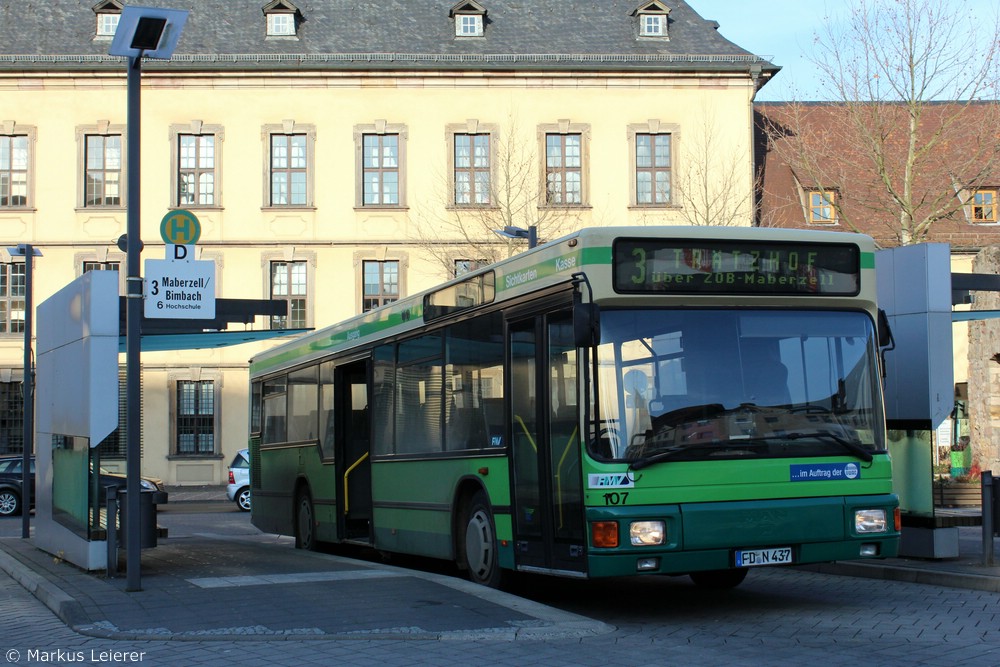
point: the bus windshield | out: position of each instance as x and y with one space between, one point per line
686 385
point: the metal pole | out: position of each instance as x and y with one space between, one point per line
988 518
27 445
111 522
133 313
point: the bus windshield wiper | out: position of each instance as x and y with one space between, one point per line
849 445
731 445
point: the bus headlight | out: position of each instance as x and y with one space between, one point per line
647 533
870 521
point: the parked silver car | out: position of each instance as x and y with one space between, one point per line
238 488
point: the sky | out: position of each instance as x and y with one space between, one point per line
783 32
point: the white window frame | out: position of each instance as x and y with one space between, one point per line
281 24
652 25
468 25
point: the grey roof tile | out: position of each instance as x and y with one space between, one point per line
359 34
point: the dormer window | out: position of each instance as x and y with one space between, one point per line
282 18
108 13
652 18
470 19
652 25
468 25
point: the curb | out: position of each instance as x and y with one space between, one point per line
949 579
62 605
547 623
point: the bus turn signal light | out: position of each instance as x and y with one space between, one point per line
604 534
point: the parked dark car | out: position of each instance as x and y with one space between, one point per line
10 485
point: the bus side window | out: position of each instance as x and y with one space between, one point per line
326 412
274 411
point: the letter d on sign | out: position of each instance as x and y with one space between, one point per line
179 253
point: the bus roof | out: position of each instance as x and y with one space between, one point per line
548 264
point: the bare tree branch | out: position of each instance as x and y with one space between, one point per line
447 231
912 137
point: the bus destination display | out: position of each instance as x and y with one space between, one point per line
736 267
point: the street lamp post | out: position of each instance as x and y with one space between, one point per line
511 232
27 445
151 33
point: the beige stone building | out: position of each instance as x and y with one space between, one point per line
339 155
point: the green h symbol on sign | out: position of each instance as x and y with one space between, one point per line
180 227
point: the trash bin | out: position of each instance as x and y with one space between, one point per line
147 519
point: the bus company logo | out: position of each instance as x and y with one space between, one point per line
851 471
618 480
353 334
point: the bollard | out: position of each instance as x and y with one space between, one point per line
111 528
996 505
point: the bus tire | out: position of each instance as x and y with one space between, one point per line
719 579
305 523
478 548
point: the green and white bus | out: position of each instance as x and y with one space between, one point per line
647 400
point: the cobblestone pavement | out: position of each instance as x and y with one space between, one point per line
218 593
779 617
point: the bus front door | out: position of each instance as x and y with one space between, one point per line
543 404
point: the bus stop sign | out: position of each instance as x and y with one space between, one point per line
180 227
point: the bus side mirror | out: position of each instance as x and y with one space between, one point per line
586 324
884 332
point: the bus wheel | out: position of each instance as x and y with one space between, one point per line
480 543
305 524
719 579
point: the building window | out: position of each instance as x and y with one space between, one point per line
381 284
469 26
11 417
381 170
195 417
380 163
652 18
115 445
463 266
93 265
563 169
472 169
107 24
12 292
103 159
13 171
984 206
290 166
108 13
470 18
195 165
282 18
288 169
652 25
280 25
652 169
821 207
289 283
196 170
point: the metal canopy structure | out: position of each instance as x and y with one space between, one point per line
160 335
